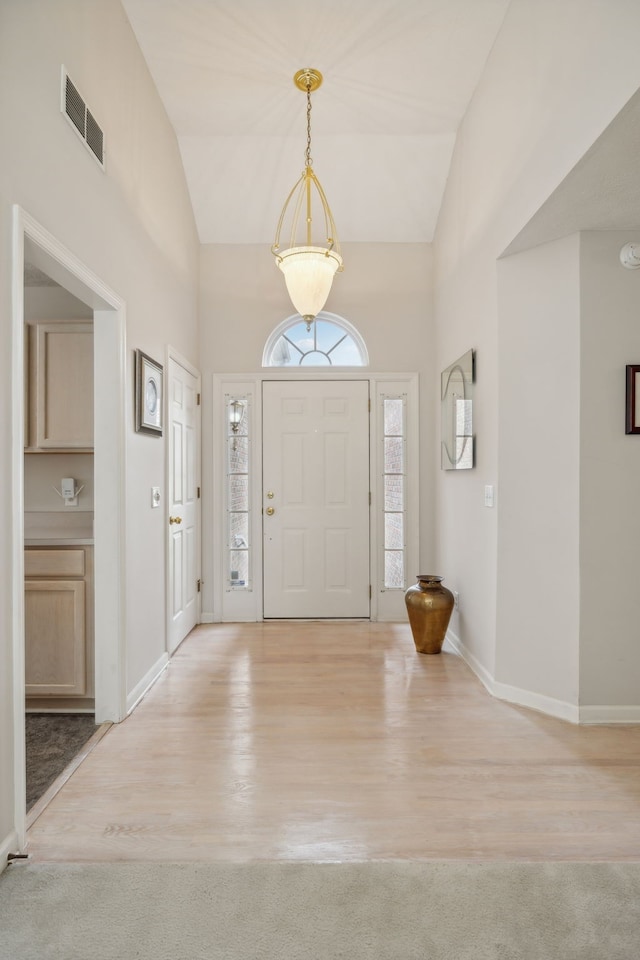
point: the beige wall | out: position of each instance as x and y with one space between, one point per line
538 577
610 477
557 75
385 291
132 226
569 527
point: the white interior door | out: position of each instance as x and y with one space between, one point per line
184 514
316 499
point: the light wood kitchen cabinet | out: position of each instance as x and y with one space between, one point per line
60 392
59 621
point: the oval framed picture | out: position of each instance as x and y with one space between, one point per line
149 394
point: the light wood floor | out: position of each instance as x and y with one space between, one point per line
338 742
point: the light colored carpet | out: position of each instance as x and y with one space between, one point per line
291 911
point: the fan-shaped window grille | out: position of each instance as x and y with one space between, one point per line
331 342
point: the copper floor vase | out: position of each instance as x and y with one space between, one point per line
429 606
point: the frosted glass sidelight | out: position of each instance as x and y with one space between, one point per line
239 455
393 531
394 569
393 418
393 455
238 494
394 494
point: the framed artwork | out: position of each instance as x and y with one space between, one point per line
149 394
633 399
456 395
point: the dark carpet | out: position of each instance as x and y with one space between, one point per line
52 741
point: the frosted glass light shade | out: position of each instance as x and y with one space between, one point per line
308 274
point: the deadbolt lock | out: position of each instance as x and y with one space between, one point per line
175 519
270 495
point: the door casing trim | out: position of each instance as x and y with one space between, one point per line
109 312
248 605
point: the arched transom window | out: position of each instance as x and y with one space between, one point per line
331 342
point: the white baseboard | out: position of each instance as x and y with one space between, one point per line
537 701
609 714
150 677
457 646
523 698
8 845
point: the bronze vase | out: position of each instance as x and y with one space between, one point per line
429 606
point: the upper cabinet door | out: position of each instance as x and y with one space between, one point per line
63 375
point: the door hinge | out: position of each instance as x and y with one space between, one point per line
197 399
369 497
369 402
198 584
198 489
369 591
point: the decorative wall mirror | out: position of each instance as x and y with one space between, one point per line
457 413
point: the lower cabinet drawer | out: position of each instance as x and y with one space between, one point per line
54 563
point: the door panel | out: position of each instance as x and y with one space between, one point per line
316 464
183 503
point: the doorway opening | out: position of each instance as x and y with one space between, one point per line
42 252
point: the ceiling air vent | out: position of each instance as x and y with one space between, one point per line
83 121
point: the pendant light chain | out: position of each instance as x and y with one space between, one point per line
308 161
308 266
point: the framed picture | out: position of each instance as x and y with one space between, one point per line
633 399
149 394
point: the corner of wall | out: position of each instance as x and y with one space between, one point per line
515 695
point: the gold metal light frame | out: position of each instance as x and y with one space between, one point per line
308 266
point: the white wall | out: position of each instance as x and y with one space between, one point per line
557 75
610 480
385 291
568 525
132 226
538 582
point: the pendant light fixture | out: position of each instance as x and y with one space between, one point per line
310 261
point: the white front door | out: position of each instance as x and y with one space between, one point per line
183 520
316 499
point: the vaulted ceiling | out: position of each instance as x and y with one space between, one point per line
398 77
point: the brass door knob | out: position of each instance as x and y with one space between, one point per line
175 519
271 511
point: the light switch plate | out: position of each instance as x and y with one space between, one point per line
155 497
489 496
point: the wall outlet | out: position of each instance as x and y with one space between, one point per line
456 600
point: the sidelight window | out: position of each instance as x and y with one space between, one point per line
238 493
394 479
